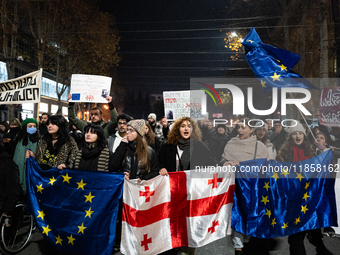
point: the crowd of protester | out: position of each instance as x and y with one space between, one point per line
143 149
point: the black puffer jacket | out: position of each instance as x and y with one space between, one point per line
10 189
125 160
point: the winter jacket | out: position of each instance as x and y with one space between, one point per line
10 189
80 124
125 160
278 139
66 155
216 144
201 157
96 160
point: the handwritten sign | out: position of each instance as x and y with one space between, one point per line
187 103
330 107
25 89
90 88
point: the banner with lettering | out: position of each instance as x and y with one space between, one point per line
24 89
329 107
186 103
90 88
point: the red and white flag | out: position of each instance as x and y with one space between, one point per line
181 209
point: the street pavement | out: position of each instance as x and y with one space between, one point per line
39 246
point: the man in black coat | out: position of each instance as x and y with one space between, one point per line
10 189
279 136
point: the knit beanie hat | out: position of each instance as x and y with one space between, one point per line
138 125
298 127
29 120
152 116
259 124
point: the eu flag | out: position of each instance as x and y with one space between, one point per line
271 65
75 210
275 199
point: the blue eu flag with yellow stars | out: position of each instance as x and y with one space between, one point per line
75 210
271 65
274 199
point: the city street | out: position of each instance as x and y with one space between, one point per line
220 247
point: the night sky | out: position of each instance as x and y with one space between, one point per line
165 43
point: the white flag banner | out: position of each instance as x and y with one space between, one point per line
181 209
24 89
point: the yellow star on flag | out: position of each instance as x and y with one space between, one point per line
52 180
305 196
250 41
89 198
66 178
39 188
285 225
283 67
273 222
81 228
59 240
265 200
41 214
81 184
266 186
275 176
46 230
297 221
70 239
304 209
299 176
262 83
285 172
276 77
269 213
88 213
307 185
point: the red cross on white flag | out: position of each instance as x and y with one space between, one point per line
175 211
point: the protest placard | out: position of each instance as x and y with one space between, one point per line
90 88
329 107
187 103
24 89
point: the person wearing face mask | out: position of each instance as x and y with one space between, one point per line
15 127
298 148
94 154
261 132
27 138
243 147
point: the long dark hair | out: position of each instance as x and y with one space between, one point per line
7 127
286 151
23 135
99 131
150 136
63 135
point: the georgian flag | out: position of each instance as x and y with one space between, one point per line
185 208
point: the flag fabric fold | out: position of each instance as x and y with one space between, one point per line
180 209
299 196
75 210
271 65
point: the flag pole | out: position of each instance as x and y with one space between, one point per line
304 118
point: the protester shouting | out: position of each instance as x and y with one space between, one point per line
298 148
57 148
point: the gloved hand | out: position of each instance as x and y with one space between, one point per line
319 146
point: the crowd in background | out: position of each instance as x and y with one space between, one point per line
143 149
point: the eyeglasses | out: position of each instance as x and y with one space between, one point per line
130 130
122 123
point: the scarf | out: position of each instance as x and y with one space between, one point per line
298 154
92 158
187 149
